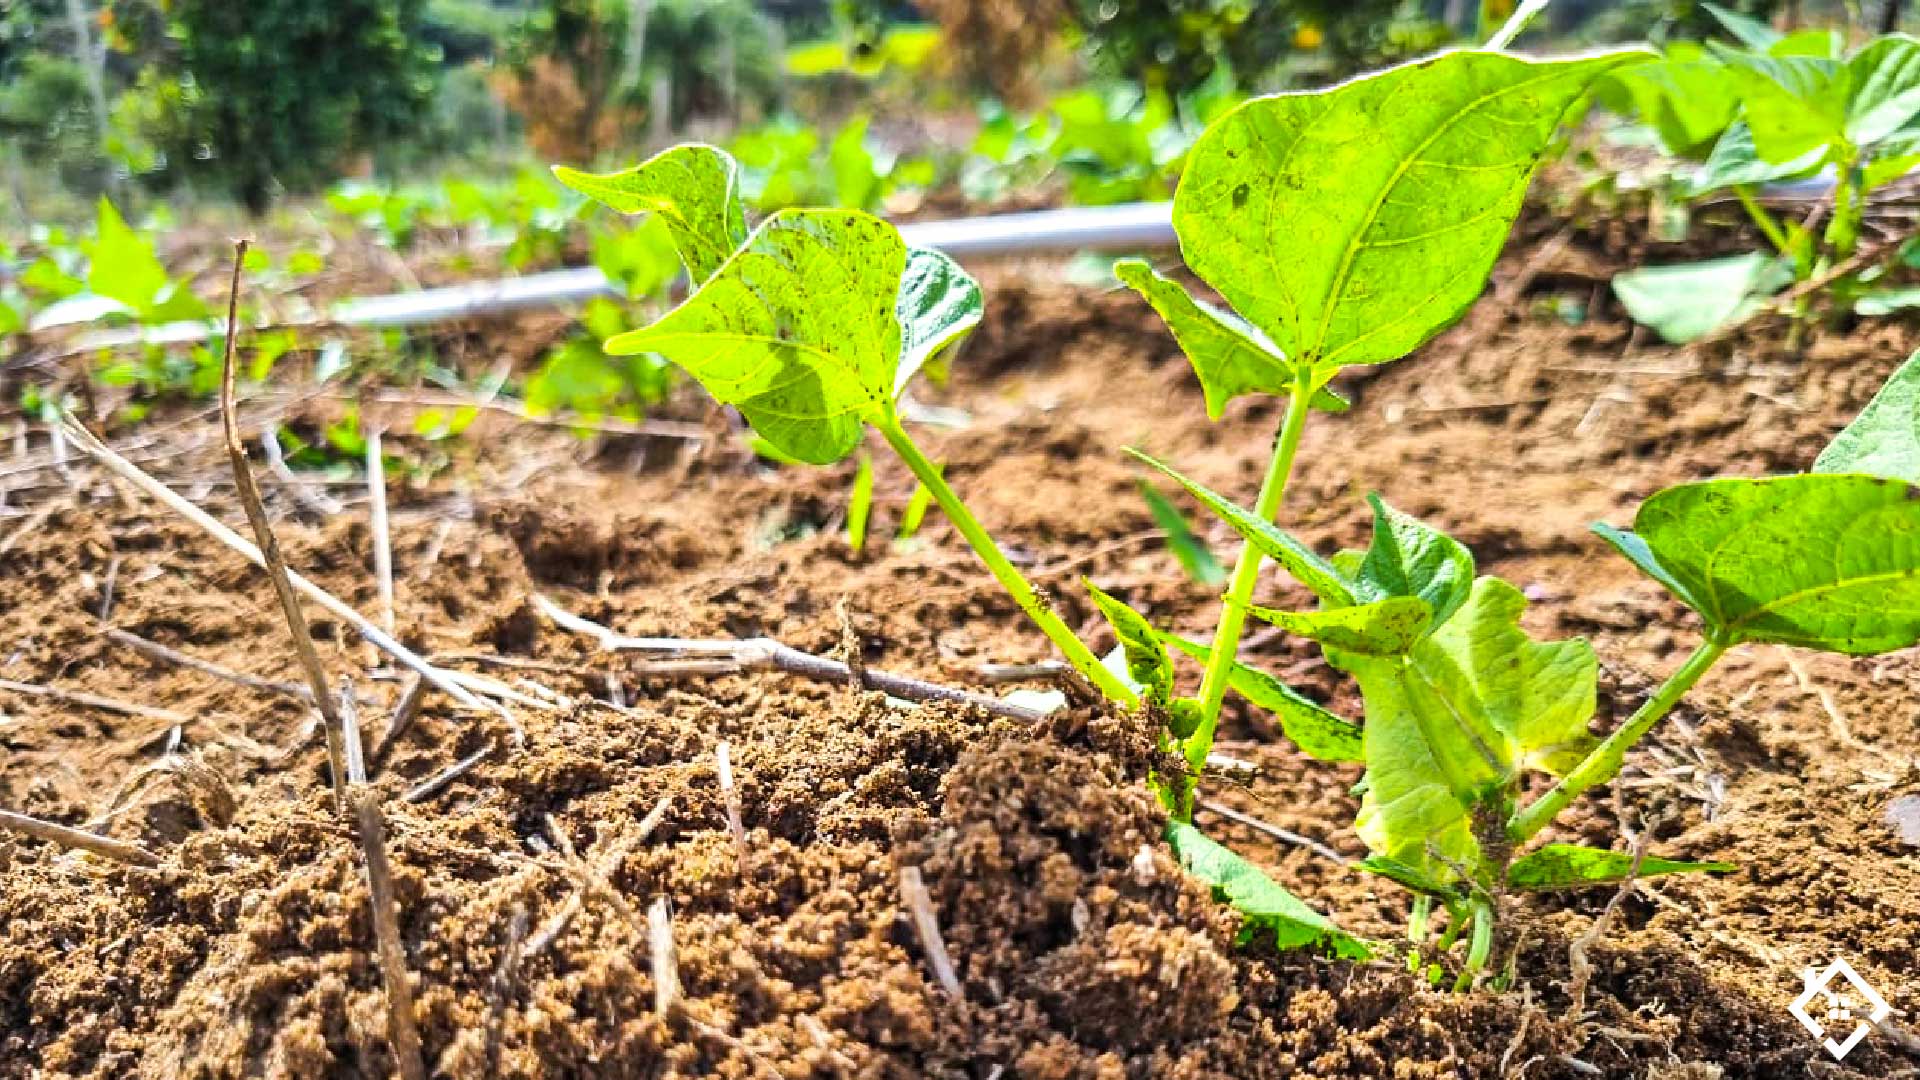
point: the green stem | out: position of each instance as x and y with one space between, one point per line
1480 948
1003 571
1843 232
1604 762
1246 572
1774 233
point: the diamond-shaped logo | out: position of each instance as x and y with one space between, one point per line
1838 1006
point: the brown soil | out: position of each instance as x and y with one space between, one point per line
1081 950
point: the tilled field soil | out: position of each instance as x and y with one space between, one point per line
1079 948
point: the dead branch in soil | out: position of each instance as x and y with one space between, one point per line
402 655
1275 831
378 524
604 867
664 960
65 836
405 712
698 657
926 925
438 782
730 795
95 701
402 1034
153 650
271 558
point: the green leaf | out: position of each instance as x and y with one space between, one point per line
1690 300
1189 549
694 188
1686 96
1794 104
1299 560
1463 713
1566 866
1147 664
1264 904
1748 30
1352 224
798 329
1308 724
1380 628
1411 878
122 266
917 506
1229 356
1735 161
1884 440
1886 301
937 305
1828 562
1410 558
1884 84
860 505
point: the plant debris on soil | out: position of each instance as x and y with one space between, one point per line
1081 950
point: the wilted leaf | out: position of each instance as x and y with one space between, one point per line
1299 560
1308 724
1265 905
1386 627
1565 866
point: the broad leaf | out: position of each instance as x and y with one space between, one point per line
1265 905
122 266
1687 97
1229 356
1468 709
1799 104
1748 30
1886 301
1352 224
1308 724
1567 866
1688 301
1147 664
1828 562
1386 627
1316 573
1410 558
1884 440
937 305
695 189
801 329
1735 161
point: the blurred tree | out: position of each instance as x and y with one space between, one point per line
997 44
267 95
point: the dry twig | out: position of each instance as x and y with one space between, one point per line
696 657
66 836
382 532
723 766
95 701
271 558
913 891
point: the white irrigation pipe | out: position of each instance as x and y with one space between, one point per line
1126 227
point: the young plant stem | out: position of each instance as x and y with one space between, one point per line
1233 617
1604 762
1843 232
1037 609
1762 220
1479 948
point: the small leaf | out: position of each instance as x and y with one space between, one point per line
694 188
797 329
1192 552
122 266
1686 96
860 505
937 305
1735 162
1410 558
917 506
1381 628
1688 301
1229 356
1565 866
1147 664
1318 732
1299 560
1352 224
1397 871
1828 562
1884 440
1748 30
1265 905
